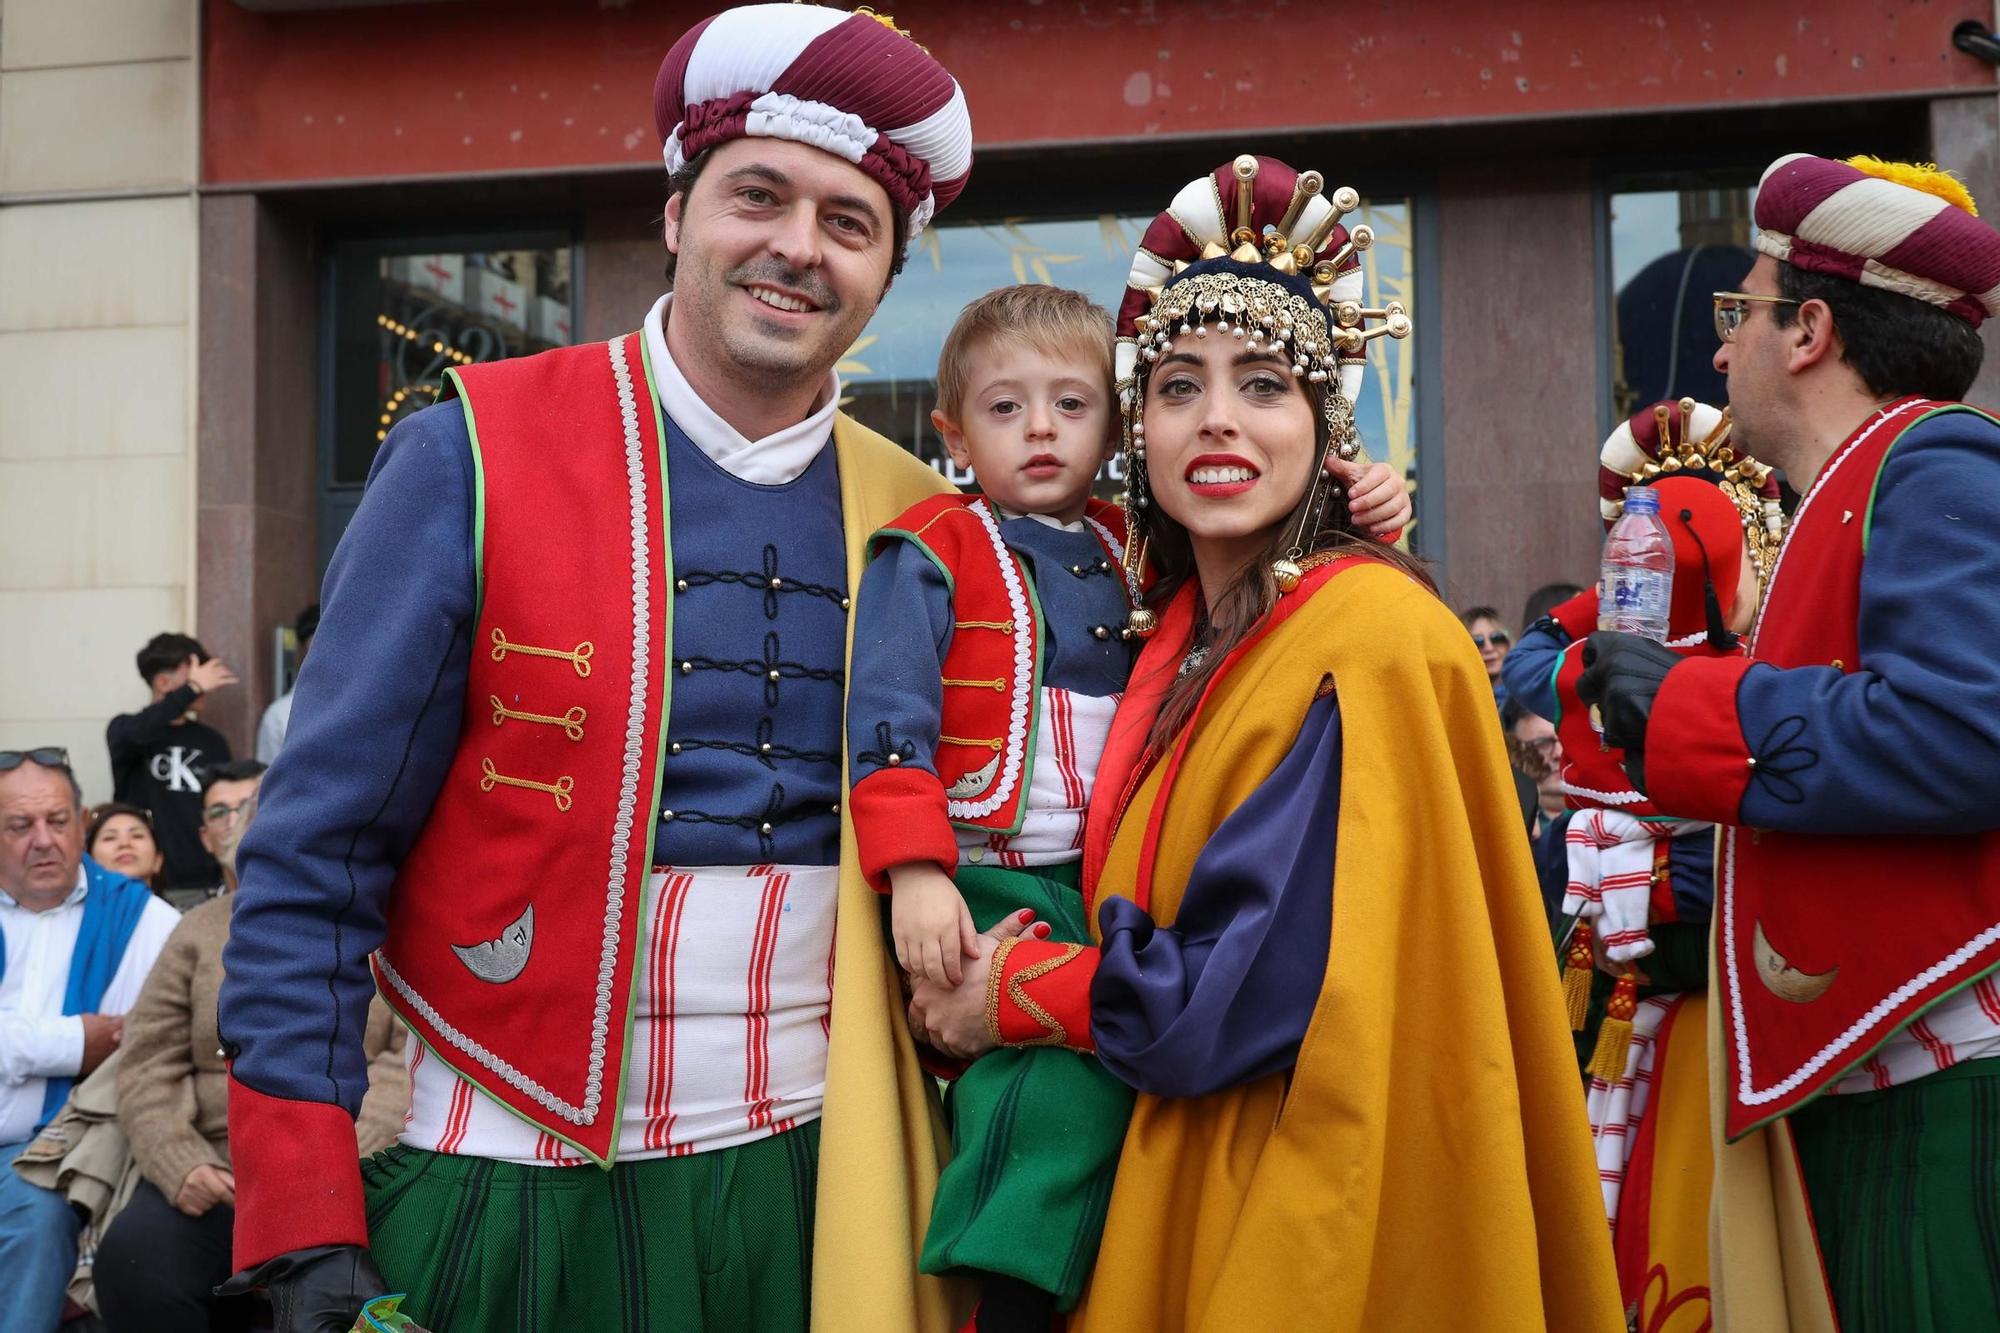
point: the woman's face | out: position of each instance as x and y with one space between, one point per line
1492 643
1229 441
125 845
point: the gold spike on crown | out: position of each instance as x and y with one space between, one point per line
1743 477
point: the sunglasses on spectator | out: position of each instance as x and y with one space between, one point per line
48 756
1731 307
1498 640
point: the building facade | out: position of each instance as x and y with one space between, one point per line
239 239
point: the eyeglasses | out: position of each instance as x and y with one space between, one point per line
1731 307
228 814
48 756
1543 746
1496 639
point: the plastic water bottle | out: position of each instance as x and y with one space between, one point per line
1636 586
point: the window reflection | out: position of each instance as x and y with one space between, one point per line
888 376
405 319
1670 251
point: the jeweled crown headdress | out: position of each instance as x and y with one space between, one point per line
1255 251
1677 438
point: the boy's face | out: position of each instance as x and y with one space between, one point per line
1035 427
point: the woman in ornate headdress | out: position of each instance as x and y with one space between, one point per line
1322 960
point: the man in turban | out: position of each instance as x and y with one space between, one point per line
565 770
1854 754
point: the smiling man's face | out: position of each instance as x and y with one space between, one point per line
782 253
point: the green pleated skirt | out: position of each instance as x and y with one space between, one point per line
1905 1191
1035 1130
717 1242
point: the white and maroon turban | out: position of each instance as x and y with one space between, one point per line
1902 228
850 84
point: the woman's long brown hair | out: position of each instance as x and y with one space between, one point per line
1251 595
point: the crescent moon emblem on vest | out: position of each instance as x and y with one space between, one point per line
978 780
501 959
1782 979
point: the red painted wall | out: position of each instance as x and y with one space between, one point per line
525 85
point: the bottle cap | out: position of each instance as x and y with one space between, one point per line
1644 499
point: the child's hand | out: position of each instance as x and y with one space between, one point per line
930 924
1376 496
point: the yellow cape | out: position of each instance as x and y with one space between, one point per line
882 1139
1428 1163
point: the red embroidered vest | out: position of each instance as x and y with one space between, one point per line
1828 945
1594 771
514 922
993 668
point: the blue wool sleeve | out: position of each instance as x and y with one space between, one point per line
375 722
1528 671
895 696
1223 996
1910 743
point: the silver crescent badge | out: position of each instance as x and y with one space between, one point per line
1782 979
978 780
501 959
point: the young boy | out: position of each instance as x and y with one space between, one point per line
989 654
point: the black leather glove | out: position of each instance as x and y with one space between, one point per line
319 1290
1622 675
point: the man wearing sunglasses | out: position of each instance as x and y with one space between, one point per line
76 942
1855 753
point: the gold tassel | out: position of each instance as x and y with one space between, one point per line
1614 1036
1576 977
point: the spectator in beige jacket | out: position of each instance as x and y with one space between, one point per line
166 1251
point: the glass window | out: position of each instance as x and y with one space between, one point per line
403 319
404 313
1671 250
889 375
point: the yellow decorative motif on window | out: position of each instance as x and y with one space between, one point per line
995 685
571 722
578 657
993 745
560 788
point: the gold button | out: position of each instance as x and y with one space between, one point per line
976 855
666 816
687 668
894 759
845 603
674 748
1839 665
1752 761
776 582
764 829
772 674
836 807
680 585
765 748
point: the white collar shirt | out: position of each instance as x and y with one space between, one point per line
771 461
37 1041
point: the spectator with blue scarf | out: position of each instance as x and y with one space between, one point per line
76 942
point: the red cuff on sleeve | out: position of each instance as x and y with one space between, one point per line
1577 616
298 1176
1038 994
898 818
1697 765
1391 537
